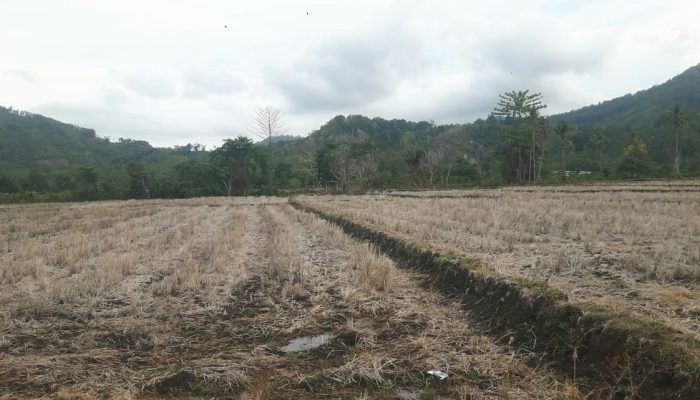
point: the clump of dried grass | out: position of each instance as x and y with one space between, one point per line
366 368
124 263
374 270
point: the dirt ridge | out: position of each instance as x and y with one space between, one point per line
623 354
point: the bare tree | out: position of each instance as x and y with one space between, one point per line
366 166
268 122
432 160
451 154
341 165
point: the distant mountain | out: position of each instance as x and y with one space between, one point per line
643 108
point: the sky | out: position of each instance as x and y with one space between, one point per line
174 72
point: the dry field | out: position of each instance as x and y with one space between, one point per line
215 297
632 248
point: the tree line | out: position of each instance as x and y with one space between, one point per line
514 145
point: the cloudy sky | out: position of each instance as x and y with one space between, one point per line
173 72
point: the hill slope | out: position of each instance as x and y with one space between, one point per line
34 141
642 108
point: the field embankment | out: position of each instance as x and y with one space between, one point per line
564 273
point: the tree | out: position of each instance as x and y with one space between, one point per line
139 181
86 183
269 122
600 140
518 105
677 122
634 164
522 109
414 160
341 165
365 161
322 161
636 149
432 159
235 162
196 178
563 132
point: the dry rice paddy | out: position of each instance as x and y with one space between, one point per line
630 247
208 297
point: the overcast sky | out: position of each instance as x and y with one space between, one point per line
173 72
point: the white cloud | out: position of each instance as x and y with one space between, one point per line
171 73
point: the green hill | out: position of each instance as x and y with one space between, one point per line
643 108
34 141
628 137
42 155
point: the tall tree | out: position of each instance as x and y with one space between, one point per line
139 181
366 161
268 122
563 132
599 141
414 160
637 148
341 165
634 165
432 160
522 109
518 105
677 122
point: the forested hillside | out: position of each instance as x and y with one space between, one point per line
39 155
644 108
32 140
653 133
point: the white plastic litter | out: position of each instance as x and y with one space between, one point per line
438 375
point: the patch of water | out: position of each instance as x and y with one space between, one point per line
306 343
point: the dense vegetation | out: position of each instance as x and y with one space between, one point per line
653 133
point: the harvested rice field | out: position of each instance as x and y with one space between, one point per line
633 248
231 298
267 298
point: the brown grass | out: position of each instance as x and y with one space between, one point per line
374 270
